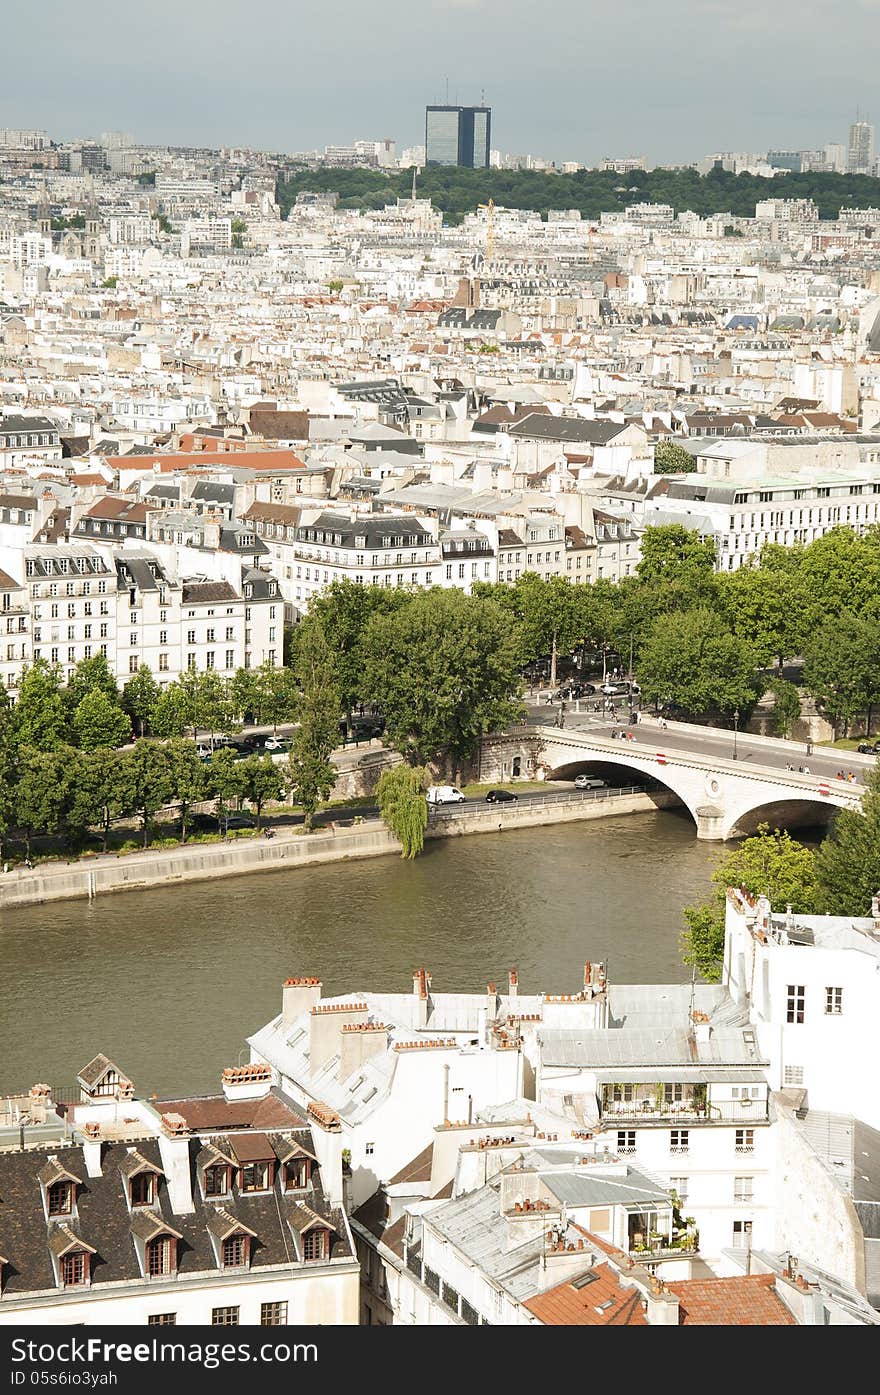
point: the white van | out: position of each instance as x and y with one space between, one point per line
444 794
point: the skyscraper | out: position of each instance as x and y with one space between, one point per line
458 136
861 147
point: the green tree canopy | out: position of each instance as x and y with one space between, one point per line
146 779
99 790
672 459
261 781
766 608
444 671
98 721
89 676
43 791
786 706
769 864
310 772
402 804
675 554
139 698
344 609
187 776
171 714
40 717
848 861
841 666
693 660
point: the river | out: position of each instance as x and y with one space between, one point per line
169 983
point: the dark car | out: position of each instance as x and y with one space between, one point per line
365 728
501 797
241 820
865 748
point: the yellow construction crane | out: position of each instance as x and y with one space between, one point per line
490 228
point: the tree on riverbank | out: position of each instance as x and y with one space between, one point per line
310 772
402 804
769 864
848 862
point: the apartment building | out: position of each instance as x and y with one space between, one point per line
15 632
369 549
28 439
220 1210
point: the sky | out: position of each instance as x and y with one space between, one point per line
673 80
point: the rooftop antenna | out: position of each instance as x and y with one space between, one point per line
415 172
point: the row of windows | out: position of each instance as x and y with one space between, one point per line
743 1188
271 1315
795 1003
680 1141
70 589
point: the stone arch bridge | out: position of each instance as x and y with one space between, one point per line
725 798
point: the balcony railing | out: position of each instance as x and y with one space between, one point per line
684 1112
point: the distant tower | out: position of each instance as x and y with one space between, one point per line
458 136
92 240
860 154
44 217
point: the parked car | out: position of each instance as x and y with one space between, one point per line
867 748
501 797
619 688
589 782
276 743
365 728
444 794
241 820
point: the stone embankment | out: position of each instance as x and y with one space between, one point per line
95 876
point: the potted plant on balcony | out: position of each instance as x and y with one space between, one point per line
698 1098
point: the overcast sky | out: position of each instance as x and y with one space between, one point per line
669 79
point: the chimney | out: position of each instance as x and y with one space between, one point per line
298 995
662 1305
174 1151
247 1082
875 911
588 978
326 1022
92 1148
491 1002
421 982
39 1097
701 1026
327 1137
360 1043
513 985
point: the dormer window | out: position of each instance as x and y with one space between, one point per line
234 1253
255 1177
316 1244
59 1199
160 1256
142 1189
297 1174
216 1180
75 1269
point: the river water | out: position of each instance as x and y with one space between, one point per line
168 983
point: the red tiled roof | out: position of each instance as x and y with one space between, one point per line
748 1300
602 1302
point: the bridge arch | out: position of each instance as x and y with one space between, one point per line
803 812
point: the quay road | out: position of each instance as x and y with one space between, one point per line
686 738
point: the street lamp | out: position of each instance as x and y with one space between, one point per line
735 729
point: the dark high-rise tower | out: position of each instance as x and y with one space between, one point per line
458 136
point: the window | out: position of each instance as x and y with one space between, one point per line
133 663
794 1011
679 1140
209 659
745 1141
273 1314
216 1181
833 1002
742 1234
159 1256
230 632
432 1280
742 1188
619 1092
59 1200
626 1140
224 1317
230 658
369 1149
673 1093
209 638
793 1075
680 1186
163 663
315 1244
74 1269
190 636
234 1253
297 1174
162 1320
254 1177
142 1189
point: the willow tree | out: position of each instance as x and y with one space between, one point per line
402 804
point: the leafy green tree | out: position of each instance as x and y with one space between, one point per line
766 608
139 698
444 671
786 706
146 781
310 771
100 791
188 778
40 718
839 572
402 804
89 676
9 768
246 692
672 459
840 669
261 781
848 861
693 660
211 701
769 864
344 610
42 792
98 721
172 713
672 553
280 695
225 784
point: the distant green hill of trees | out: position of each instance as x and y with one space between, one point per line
458 191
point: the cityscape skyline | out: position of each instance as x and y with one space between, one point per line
776 108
